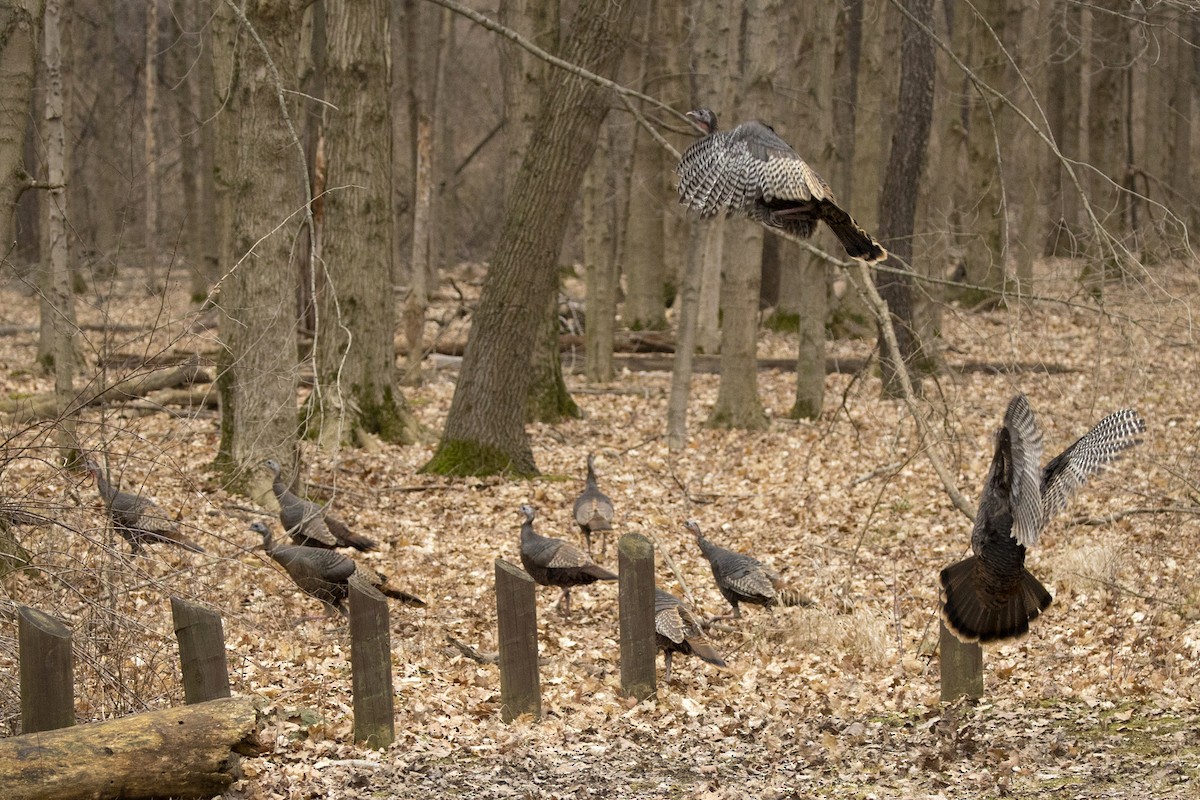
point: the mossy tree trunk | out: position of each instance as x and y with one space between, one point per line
260 182
485 430
356 356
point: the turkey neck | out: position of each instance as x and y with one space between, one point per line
107 492
590 483
709 549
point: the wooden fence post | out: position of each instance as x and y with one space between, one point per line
961 667
635 562
47 672
371 668
516 615
201 651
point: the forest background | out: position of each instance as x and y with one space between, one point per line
323 212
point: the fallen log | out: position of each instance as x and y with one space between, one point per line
45 406
190 751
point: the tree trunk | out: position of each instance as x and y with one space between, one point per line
356 356
600 270
56 281
805 270
548 400
261 181
20 30
190 751
898 203
193 68
149 144
485 430
737 403
524 78
643 251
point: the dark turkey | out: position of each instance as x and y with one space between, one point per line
309 523
744 579
593 510
991 596
677 630
750 170
138 519
553 562
327 574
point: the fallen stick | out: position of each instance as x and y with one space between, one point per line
189 751
45 406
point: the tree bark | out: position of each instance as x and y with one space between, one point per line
20 31
261 183
193 67
58 301
643 252
898 203
738 405
356 390
803 284
485 430
600 269
191 751
150 147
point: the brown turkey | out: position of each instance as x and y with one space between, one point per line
744 579
553 562
309 523
139 520
750 170
991 596
327 574
593 510
677 630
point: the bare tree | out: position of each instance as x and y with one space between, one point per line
149 137
356 391
485 430
20 29
193 69
261 180
58 301
898 203
738 404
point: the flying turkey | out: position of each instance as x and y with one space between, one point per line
991 596
593 510
744 579
677 630
309 523
750 170
327 574
139 520
553 562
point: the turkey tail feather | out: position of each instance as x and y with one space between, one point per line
792 597
402 596
858 243
974 617
702 649
347 538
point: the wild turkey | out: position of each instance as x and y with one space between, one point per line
744 579
593 510
311 524
991 595
750 170
678 630
553 562
327 574
139 520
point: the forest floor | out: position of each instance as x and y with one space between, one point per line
837 700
